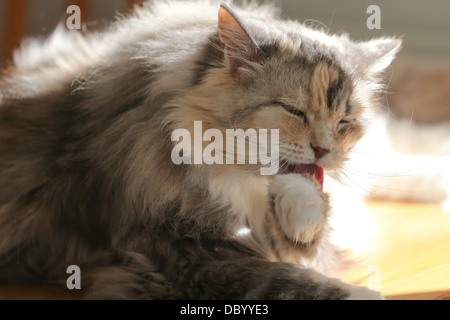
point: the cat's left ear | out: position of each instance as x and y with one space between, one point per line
379 53
240 50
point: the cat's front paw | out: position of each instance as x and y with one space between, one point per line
300 207
363 293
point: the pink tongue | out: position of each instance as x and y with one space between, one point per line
310 169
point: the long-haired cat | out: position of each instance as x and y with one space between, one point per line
86 176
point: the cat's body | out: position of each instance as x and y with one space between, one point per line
85 146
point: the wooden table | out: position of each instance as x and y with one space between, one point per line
410 253
409 256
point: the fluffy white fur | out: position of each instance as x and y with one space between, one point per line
243 194
294 194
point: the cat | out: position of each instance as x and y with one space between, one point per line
86 176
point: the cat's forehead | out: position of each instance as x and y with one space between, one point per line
318 74
329 87
309 65
302 48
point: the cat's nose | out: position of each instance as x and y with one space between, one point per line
319 152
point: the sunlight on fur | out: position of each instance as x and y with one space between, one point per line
87 151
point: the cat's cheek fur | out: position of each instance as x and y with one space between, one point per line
300 207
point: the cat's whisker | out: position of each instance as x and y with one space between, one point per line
386 87
367 188
351 182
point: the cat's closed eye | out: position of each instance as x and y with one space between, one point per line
294 111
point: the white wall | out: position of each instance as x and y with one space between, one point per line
424 25
45 14
105 9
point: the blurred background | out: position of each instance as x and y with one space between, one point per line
31 18
420 75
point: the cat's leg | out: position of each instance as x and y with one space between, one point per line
242 278
254 278
220 271
300 213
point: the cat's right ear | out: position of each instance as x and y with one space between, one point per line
379 53
239 48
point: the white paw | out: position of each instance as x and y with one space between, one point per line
363 293
299 206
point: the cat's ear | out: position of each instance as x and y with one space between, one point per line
379 53
240 51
